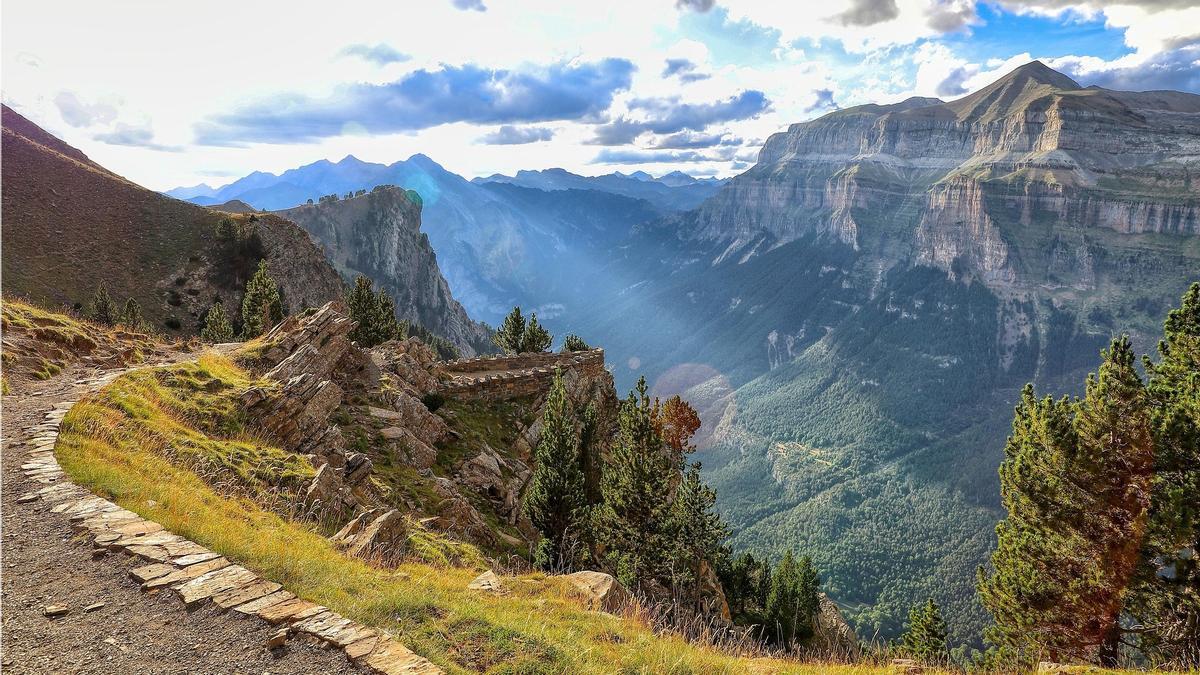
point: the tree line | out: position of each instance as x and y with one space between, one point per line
1097 558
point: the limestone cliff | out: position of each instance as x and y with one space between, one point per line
378 234
968 182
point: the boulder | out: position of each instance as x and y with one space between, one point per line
409 449
375 535
712 595
410 413
601 592
489 582
329 492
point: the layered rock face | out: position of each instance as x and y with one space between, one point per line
962 181
304 356
378 234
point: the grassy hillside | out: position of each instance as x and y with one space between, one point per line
155 441
70 224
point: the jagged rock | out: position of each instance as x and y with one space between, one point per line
410 364
601 592
457 515
358 467
488 581
415 452
304 356
831 632
330 491
712 594
374 534
496 478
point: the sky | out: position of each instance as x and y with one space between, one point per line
171 94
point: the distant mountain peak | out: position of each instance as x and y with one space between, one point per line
1013 93
424 161
1042 74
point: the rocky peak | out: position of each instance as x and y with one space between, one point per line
379 235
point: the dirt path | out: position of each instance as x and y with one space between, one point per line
45 563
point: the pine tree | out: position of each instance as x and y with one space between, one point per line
131 316
226 230
510 336
696 528
574 343
925 635
1166 602
793 601
375 314
362 305
262 306
635 486
1117 461
514 336
216 326
535 338
554 501
1076 485
387 327
101 309
1030 593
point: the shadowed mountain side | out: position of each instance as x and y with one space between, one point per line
70 224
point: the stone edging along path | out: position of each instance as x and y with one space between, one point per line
194 573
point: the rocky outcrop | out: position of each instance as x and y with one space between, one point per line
304 355
950 182
378 234
378 535
832 635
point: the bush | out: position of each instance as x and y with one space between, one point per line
433 401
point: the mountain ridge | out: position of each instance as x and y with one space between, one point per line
70 224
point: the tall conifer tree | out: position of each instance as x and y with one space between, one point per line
1166 599
925 636
262 306
101 309
510 336
635 487
216 325
555 501
1076 484
1117 462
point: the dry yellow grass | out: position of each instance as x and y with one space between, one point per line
115 444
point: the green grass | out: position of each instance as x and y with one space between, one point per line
40 342
135 441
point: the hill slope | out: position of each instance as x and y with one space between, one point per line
70 224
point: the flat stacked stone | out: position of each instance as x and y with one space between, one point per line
194 573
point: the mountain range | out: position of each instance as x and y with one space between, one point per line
501 241
856 313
